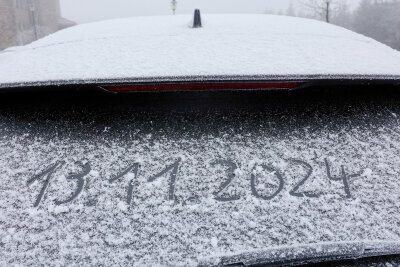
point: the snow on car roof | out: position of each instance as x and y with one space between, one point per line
166 47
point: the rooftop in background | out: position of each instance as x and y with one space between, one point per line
22 22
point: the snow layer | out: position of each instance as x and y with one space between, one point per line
99 228
227 45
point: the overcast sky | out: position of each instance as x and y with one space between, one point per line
92 10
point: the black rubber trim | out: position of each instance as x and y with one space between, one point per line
308 81
313 79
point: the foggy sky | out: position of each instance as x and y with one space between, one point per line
92 10
82 11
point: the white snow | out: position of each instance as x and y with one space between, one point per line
100 228
227 45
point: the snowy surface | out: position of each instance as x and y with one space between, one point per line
98 227
227 45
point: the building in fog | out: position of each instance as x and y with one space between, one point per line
24 21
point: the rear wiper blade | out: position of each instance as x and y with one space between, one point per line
307 254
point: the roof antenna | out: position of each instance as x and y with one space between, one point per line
197 19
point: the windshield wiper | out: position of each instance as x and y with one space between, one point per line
306 254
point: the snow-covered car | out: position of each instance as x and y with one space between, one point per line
228 52
291 156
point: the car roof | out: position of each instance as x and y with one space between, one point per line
166 48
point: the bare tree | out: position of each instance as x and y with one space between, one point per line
378 19
321 8
291 10
342 15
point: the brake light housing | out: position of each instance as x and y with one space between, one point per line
200 86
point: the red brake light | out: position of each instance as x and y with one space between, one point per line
201 86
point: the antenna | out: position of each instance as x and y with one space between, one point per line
197 19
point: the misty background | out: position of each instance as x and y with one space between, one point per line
83 11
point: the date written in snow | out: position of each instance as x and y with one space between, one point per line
173 171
